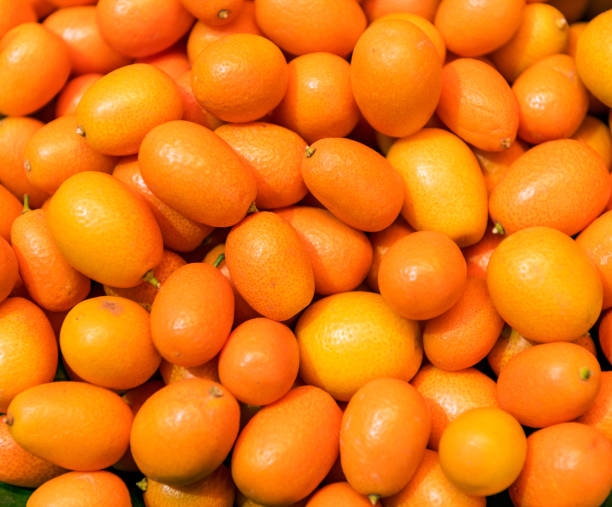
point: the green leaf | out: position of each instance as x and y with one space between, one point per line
12 496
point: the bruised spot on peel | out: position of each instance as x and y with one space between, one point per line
112 306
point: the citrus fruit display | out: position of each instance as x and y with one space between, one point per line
305 253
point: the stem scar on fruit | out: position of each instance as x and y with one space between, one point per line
223 14
498 229
80 131
310 151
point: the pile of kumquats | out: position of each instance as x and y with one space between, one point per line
322 253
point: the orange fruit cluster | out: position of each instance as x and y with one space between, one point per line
322 253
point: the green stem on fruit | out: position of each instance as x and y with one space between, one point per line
373 499
585 373
310 151
149 276
223 14
252 208
26 204
80 131
220 258
498 229
143 484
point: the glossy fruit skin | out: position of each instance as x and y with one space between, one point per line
82 488
422 275
605 335
88 51
240 77
160 24
548 476
107 341
19 467
306 26
338 493
28 348
179 233
319 100
552 100
340 255
477 256
443 185
429 486
593 57
427 27
288 447
376 342
564 275
269 266
26 50
86 217
543 31
533 191
475 29
10 209
215 490
70 96
115 113
483 451
385 429
202 35
381 242
465 334
259 362
14 135
9 269
355 183
15 12
145 293
274 155
477 104
75 425
548 384
194 152
50 280
55 152
184 431
192 315
407 62
599 414
375 9
596 243
448 394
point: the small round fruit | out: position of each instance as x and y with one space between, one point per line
107 341
483 451
567 464
184 431
422 275
118 110
384 432
192 315
350 338
549 384
544 286
287 448
75 425
259 362
240 77
104 230
28 349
